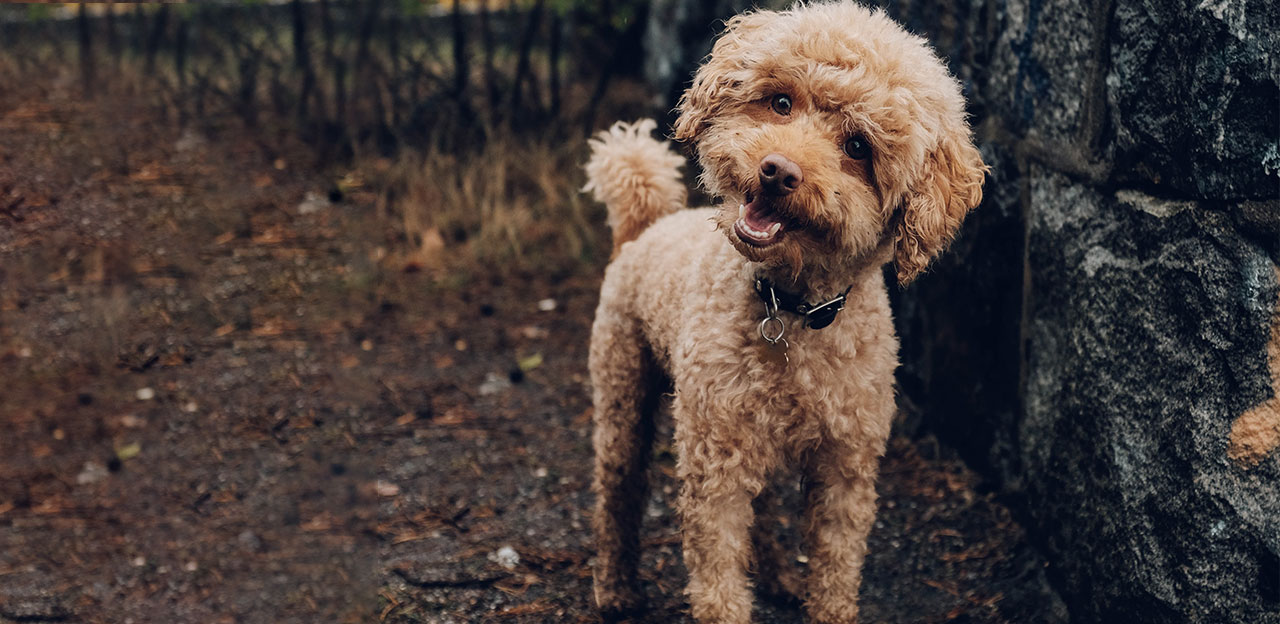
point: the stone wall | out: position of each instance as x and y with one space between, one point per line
1102 342
1097 342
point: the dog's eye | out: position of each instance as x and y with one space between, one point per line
857 147
781 104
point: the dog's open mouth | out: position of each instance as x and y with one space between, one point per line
759 224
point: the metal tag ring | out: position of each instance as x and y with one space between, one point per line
764 329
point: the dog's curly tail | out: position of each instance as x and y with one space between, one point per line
636 176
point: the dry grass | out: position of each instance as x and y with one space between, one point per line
514 204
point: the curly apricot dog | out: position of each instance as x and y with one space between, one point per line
838 143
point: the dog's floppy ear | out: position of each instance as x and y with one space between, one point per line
722 79
936 204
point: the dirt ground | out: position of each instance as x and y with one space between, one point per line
224 401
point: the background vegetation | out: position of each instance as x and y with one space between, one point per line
468 118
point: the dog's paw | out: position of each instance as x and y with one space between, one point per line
784 590
617 605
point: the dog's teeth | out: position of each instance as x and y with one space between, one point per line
773 229
742 210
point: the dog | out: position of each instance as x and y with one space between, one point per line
837 142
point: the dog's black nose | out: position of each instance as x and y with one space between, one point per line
779 175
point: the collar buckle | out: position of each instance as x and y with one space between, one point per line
816 316
824 314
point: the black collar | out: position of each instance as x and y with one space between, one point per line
816 315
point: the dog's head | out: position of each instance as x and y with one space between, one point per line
830 132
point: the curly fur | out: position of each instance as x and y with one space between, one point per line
678 302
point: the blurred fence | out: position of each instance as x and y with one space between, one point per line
377 74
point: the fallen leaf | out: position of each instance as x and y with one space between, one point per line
529 363
272 327
128 451
321 522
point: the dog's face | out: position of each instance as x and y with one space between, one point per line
830 132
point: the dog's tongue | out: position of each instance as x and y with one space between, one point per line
758 217
757 224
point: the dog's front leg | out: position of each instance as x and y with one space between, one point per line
715 508
841 510
717 550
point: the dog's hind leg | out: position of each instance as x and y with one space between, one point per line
777 578
627 386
